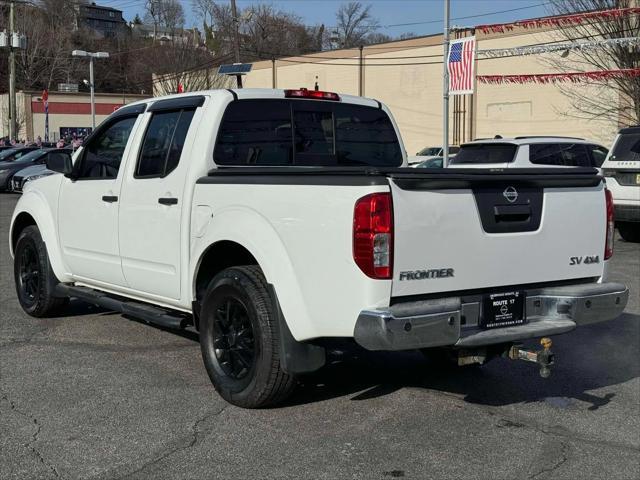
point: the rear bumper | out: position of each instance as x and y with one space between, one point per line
454 321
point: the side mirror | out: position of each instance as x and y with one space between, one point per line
60 162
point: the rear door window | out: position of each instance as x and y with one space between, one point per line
485 153
305 132
163 142
560 154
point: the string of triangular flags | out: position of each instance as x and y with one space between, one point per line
546 78
557 21
560 20
558 47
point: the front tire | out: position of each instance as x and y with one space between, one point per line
240 342
629 231
33 275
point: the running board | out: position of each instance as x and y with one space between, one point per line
149 313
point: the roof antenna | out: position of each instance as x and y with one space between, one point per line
316 87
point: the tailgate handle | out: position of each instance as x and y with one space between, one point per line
512 213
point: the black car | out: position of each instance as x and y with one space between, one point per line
13 153
33 156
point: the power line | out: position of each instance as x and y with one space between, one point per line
287 60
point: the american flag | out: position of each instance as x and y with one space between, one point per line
460 65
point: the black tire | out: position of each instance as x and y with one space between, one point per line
34 278
243 366
629 231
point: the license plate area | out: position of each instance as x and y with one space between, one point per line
503 310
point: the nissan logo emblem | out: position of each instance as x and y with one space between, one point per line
511 194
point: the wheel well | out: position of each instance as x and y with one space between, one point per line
217 257
22 221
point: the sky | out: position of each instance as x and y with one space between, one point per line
427 13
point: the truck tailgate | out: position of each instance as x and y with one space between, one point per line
464 230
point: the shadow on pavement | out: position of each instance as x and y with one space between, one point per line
591 357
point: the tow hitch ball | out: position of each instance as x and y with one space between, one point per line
543 357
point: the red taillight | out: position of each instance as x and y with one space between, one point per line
313 94
608 248
373 235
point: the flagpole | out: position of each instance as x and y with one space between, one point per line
445 95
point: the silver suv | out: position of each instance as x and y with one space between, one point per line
528 152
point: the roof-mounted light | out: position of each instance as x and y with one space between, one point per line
312 94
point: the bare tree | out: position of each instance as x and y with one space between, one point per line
47 56
616 99
153 14
265 32
172 15
354 24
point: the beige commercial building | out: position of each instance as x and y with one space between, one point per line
68 112
407 76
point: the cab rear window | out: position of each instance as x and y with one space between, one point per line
306 132
485 153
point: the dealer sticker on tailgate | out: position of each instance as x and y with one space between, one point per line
503 310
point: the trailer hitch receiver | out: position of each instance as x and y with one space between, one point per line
543 357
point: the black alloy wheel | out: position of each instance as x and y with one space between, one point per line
240 339
29 274
233 338
34 278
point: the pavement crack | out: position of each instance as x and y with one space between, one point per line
564 456
34 436
196 436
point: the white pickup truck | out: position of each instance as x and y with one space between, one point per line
275 222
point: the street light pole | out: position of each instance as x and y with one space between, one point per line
445 95
93 100
91 56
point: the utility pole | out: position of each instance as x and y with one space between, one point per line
236 38
13 124
445 95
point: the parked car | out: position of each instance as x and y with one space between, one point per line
14 153
277 221
9 167
622 172
35 170
428 153
435 162
528 152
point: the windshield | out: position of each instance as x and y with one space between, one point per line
485 153
29 156
432 163
627 148
306 132
7 153
429 151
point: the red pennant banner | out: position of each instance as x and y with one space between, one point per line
574 77
561 20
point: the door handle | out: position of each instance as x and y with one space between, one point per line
167 201
109 198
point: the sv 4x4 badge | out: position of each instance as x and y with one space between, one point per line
588 259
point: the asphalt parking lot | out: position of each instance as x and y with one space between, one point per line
97 395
